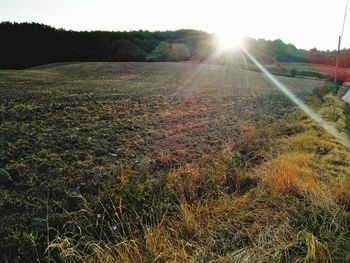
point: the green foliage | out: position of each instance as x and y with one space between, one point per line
320 92
280 71
31 44
124 50
294 72
169 52
160 53
271 51
312 74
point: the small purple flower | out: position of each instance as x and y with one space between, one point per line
115 229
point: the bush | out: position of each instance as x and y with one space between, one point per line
124 50
320 92
169 52
294 72
308 73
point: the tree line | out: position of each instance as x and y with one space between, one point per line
25 45
29 44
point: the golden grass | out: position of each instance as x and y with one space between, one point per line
290 174
302 175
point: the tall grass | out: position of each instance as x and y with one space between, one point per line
280 194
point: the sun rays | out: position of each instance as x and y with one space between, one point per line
297 101
226 47
227 41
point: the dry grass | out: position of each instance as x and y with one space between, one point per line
290 174
295 213
272 192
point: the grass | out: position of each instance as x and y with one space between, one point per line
299 70
291 210
145 163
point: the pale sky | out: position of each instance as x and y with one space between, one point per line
304 23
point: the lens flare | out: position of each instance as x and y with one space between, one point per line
309 112
228 41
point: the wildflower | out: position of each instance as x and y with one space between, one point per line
115 229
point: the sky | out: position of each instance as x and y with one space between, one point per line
304 23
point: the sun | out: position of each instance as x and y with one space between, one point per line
228 41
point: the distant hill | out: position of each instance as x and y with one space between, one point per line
25 45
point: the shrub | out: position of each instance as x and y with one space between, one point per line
169 52
294 72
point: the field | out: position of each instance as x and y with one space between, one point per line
132 111
89 146
311 70
302 70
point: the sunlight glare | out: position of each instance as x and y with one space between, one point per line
228 41
341 138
